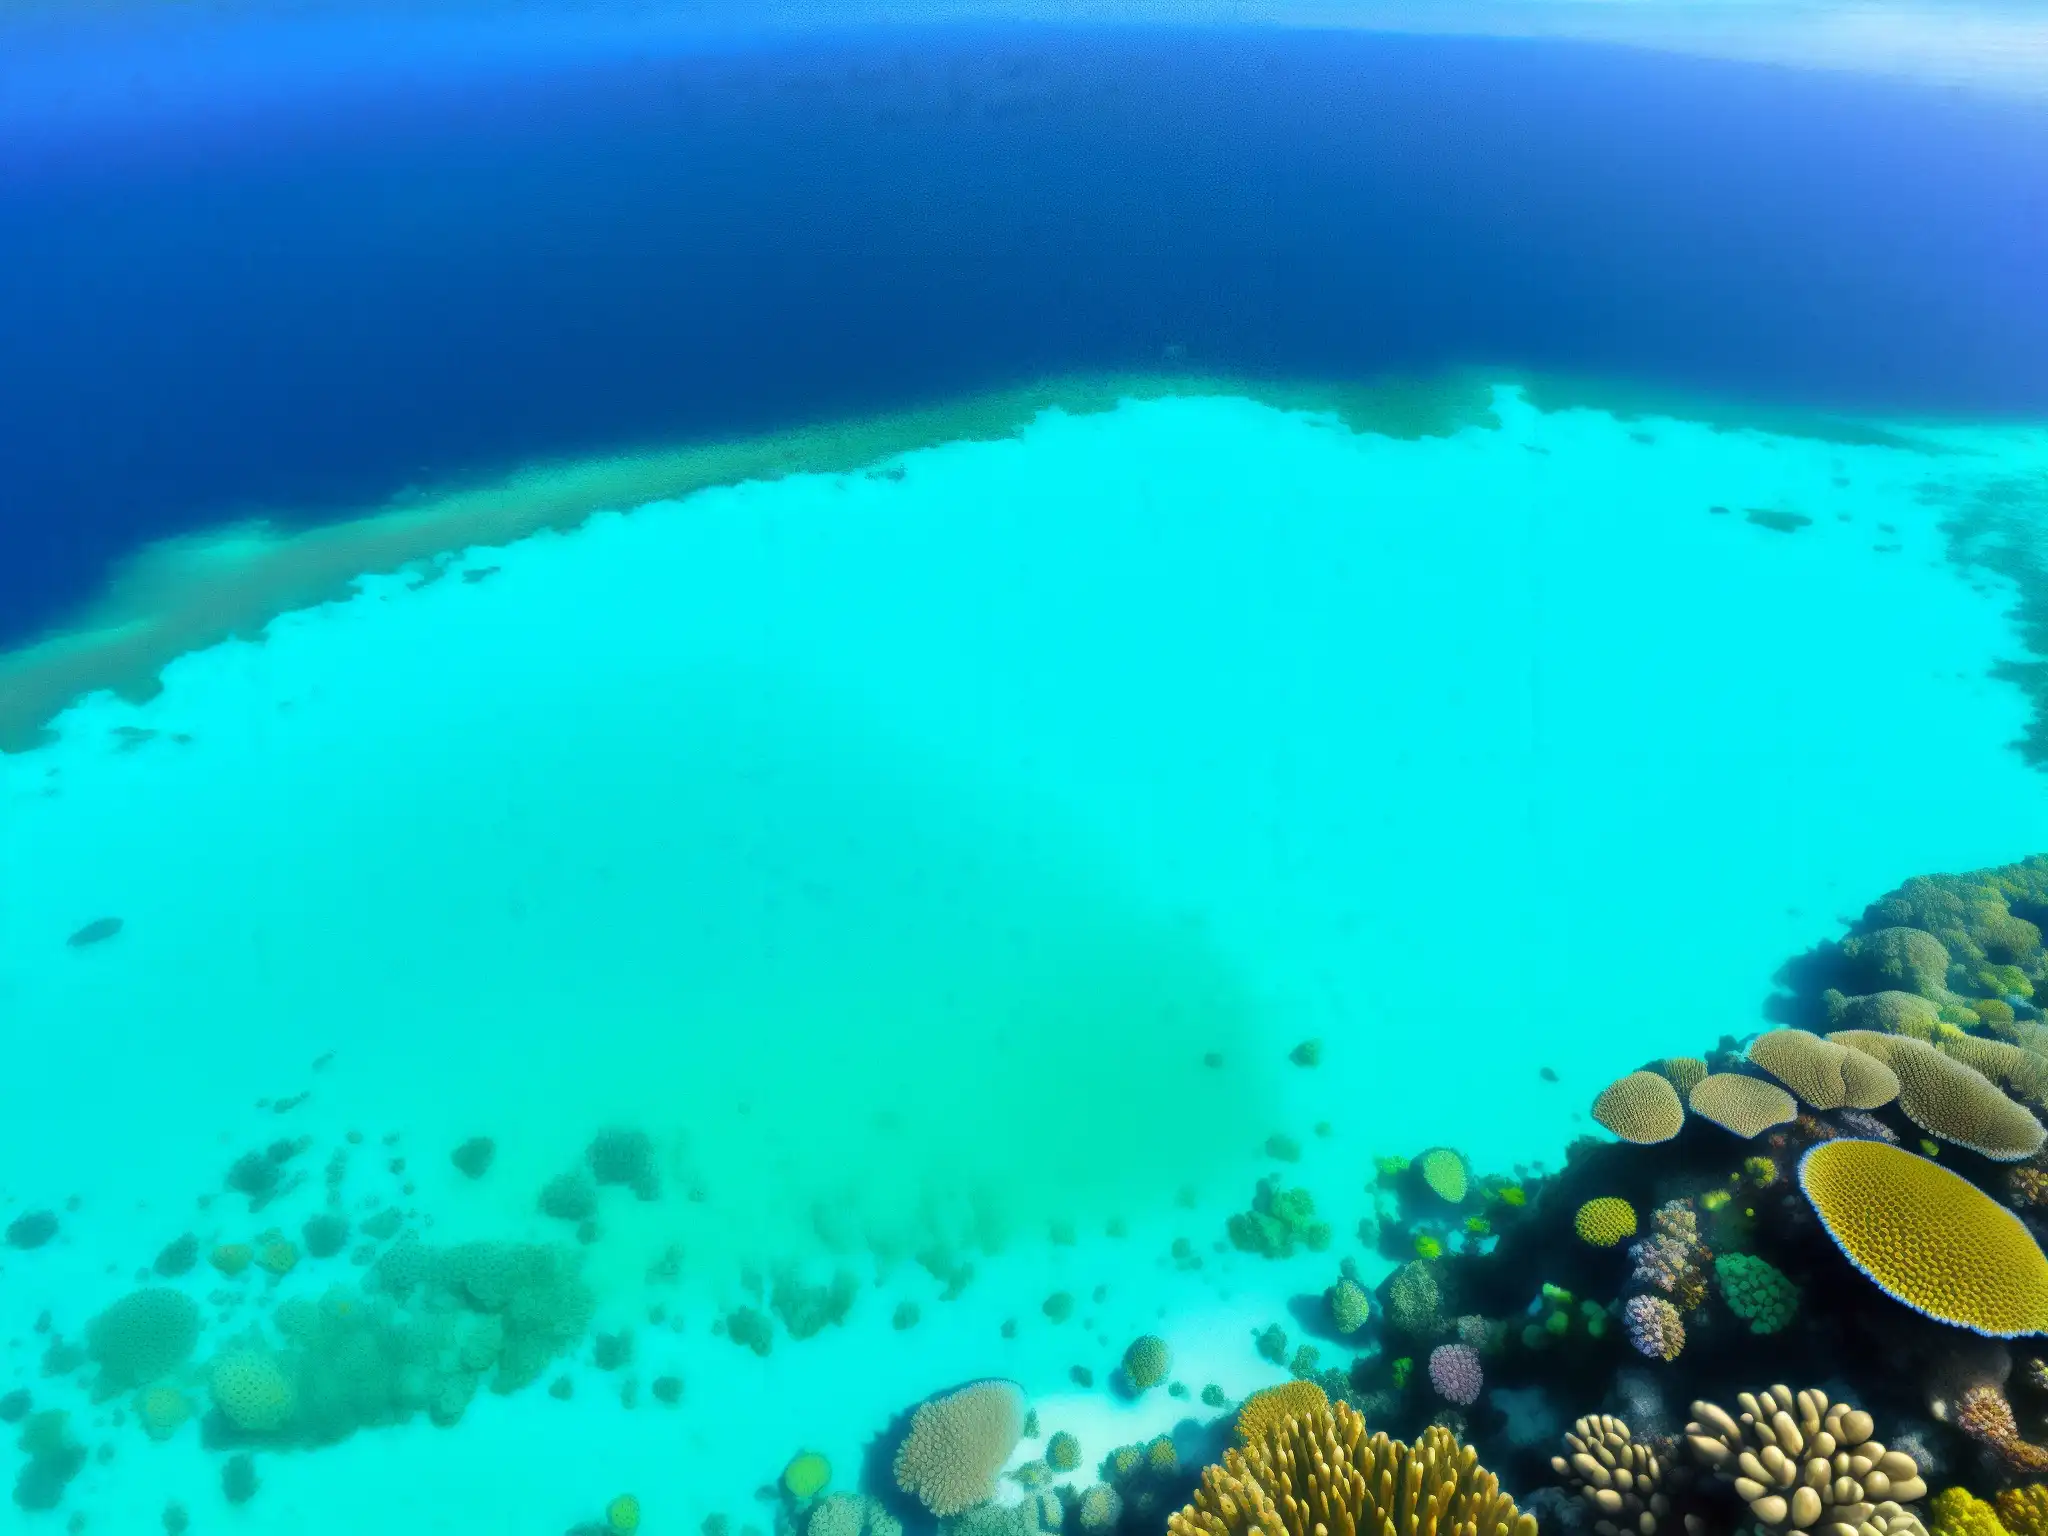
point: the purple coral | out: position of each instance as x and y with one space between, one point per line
1454 1372
1672 1258
1653 1326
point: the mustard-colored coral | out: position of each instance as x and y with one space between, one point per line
162 1411
1605 1221
1824 1073
2023 1511
1642 1107
1683 1072
279 1255
2018 1071
1444 1172
1747 1106
232 1258
1928 1237
1958 1512
1948 1099
806 1475
1263 1411
958 1443
1319 1474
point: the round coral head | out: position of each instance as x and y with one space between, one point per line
1929 1237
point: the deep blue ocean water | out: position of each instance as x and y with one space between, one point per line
216 298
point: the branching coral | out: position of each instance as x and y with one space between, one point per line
1929 1237
1262 1411
1319 1474
1620 1479
1801 1463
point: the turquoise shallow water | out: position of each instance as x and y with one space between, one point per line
897 848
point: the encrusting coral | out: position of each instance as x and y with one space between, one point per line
1928 1237
1319 1474
1642 1107
958 1443
1802 1464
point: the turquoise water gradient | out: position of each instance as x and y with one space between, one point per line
897 844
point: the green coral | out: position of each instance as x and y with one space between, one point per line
1899 958
146 1334
1147 1362
1349 1305
1402 1369
806 1476
1062 1452
1279 1222
1414 1301
1756 1291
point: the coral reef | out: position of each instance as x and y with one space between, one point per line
1653 1326
1279 1222
806 1476
1350 1305
1620 1479
958 1443
1263 1411
1062 1452
1822 1073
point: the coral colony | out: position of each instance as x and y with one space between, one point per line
1791 1289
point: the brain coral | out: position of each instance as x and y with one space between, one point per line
1146 1362
1264 1411
1455 1372
1947 1099
1444 1172
1756 1292
1605 1221
1320 1475
1748 1106
2018 1071
958 1443
252 1391
143 1335
1824 1074
1642 1107
1928 1237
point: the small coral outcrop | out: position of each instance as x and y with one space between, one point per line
1604 1221
958 1443
1642 1107
1745 1106
1443 1170
1756 1291
1824 1074
1619 1478
252 1391
146 1334
1455 1372
1146 1363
